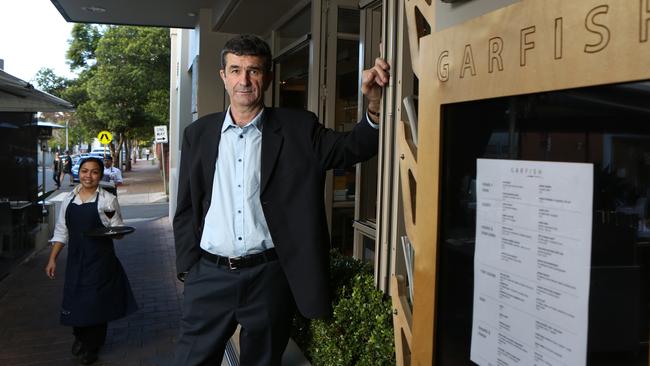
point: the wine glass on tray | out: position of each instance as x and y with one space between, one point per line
109 210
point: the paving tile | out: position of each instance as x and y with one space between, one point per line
30 333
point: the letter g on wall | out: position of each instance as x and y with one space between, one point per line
443 66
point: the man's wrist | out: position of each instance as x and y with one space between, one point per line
374 105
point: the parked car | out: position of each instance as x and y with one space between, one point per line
77 164
99 152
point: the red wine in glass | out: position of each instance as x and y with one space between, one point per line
109 211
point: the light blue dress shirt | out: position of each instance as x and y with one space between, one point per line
235 224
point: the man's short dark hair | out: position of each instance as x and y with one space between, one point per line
247 45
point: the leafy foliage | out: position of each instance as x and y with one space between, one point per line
360 331
84 41
123 83
50 82
130 90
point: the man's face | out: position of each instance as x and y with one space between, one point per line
246 80
108 163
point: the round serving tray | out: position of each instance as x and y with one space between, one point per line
110 232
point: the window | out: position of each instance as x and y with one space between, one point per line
608 126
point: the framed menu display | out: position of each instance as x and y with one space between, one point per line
532 262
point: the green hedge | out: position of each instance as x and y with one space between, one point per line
360 331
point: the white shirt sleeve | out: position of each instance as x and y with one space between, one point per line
118 176
113 174
60 228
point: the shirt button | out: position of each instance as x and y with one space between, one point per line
239 238
239 185
238 211
241 136
239 160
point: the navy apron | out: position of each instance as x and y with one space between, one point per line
96 288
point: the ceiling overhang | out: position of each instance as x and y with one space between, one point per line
228 16
163 13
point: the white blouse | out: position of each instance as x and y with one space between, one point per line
61 230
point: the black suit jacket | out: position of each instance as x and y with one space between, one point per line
296 152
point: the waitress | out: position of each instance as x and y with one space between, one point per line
96 289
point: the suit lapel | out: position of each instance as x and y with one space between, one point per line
210 149
271 144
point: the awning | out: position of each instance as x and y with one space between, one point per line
17 95
46 124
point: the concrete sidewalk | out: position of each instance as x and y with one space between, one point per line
30 303
30 333
142 185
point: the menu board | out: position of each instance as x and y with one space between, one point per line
531 263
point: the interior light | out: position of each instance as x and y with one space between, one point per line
93 9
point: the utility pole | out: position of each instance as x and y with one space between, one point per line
66 136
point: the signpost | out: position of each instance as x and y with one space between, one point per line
160 136
105 138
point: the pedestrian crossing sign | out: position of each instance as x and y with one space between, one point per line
105 137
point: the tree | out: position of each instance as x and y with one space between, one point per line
123 82
85 38
49 82
130 89
74 91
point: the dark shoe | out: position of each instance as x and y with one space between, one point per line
76 347
88 358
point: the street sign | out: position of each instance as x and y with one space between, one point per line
160 133
105 137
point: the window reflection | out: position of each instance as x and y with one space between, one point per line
293 30
608 126
345 118
292 78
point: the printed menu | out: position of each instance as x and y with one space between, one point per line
531 263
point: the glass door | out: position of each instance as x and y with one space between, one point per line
291 47
365 218
341 96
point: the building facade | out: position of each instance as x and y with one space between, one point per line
506 80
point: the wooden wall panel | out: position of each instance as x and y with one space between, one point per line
528 47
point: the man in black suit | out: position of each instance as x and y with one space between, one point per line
250 227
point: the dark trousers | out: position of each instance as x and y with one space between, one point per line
92 337
216 299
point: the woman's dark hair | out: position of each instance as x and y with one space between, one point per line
247 45
99 162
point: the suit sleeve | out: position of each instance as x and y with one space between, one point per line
344 149
185 238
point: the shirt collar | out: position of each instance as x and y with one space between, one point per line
77 188
228 122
